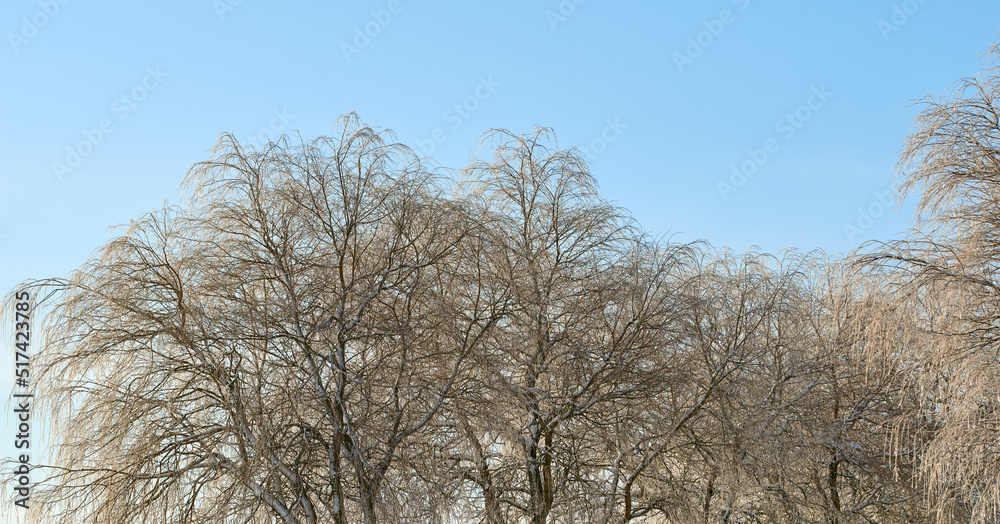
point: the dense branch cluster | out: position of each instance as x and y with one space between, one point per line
332 332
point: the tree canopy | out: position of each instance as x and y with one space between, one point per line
336 331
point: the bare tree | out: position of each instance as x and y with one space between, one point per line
268 351
792 414
329 331
589 315
951 163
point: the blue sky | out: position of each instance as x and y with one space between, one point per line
105 104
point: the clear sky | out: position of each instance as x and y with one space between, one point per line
106 104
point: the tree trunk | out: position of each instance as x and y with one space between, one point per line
831 482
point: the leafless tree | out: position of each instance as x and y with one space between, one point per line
269 350
948 268
330 331
591 308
